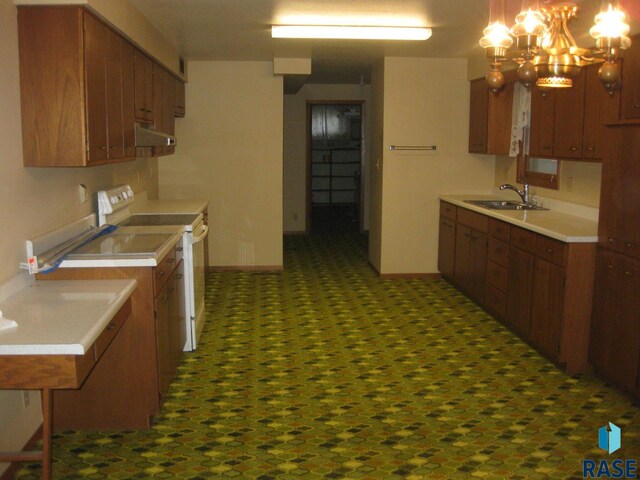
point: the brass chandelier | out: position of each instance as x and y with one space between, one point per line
546 52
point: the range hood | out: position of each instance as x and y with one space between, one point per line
146 137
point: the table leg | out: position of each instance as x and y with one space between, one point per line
47 408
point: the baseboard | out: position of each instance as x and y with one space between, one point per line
420 276
245 268
10 473
296 232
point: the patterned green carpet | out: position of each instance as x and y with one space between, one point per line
324 371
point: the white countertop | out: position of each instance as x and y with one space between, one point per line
62 317
561 226
174 235
169 206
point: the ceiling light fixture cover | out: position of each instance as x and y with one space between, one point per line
351 32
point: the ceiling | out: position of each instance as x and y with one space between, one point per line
240 29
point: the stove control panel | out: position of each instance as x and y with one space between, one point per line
112 200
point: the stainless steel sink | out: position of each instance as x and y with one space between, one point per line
504 205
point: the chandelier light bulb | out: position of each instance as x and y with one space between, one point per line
496 35
529 22
610 23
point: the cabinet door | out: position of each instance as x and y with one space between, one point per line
164 100
600 107
542 120
462 256
446 247
144 102
478 116
477 264
614 347
569 115
95 51
128 98
618 227
163 339
180 104
521 265
115 128
547 307
630 94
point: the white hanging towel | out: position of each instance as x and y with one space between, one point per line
520 115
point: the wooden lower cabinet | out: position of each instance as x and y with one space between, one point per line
126 389
547 308
521 264
447 241
539 287
614 349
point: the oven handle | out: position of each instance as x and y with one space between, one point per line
199 238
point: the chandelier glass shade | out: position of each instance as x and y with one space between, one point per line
545 49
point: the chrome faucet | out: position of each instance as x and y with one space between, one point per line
524 193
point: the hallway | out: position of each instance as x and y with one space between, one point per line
325 371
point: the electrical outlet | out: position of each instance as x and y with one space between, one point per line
82 193
26 399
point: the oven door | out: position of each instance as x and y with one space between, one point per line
197 287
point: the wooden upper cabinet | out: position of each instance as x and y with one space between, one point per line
630 94
600 108
556 120
95 52
569 117
76 89
164 106
543 105
144 88
180 104
490 117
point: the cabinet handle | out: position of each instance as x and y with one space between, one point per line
161 273
179 276
590 149
111 326
574 149
611 240
611 267
104 147
179 249
628 273
629 245
548 250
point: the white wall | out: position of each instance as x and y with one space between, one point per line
295 147
230 152
35 200
426 102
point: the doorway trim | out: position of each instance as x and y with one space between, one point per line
310 104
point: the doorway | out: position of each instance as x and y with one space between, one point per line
334 166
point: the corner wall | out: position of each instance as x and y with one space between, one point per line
295 147
426 102
230 153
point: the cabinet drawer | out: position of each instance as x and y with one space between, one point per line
163 270
474 220
448 210
498 252
499 230
110 331
497 276
551 250
495 301
523 239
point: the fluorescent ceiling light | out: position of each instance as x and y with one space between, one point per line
350 32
